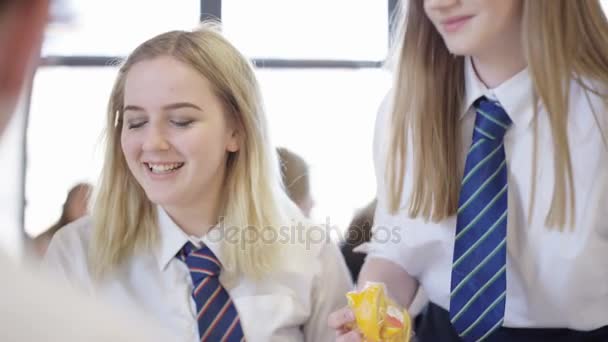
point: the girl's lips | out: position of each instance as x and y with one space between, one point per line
453 24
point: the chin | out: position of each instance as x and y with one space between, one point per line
458 49
162 199
459 46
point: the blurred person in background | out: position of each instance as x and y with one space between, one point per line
295 174
359 232
75 206
36 308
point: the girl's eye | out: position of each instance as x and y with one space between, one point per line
182 123
135 124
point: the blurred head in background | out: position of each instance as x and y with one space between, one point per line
77 203
296 179
22 24
75 206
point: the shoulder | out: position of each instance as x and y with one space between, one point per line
74 235
309 247
383 117
68 251
589 92
382 134
316 260
588 107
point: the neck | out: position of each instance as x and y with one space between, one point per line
494 72
196 218
195 221
500 62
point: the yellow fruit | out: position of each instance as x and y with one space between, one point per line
378 318
366 305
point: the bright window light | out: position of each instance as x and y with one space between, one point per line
115 27
327 117
64 138
316 29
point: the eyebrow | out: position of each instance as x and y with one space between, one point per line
171 106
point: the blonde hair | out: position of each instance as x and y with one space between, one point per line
125 220
562 40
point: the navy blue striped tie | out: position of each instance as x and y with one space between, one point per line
217 317
478 288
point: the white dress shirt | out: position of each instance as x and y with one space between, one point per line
291 304
554 279
36 307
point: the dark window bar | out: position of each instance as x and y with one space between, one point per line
262 63
211 9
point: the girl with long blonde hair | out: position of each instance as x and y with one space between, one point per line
491 158
191 222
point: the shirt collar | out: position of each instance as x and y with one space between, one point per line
173 239
515 94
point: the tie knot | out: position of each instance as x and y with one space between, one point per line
491 121
200 261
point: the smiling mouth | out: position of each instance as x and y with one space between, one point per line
163 168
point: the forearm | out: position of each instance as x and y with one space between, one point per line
400 285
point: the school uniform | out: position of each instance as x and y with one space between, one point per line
556 282
290 304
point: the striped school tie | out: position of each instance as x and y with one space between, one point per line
478 288
217 317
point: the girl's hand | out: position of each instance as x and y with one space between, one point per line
343 322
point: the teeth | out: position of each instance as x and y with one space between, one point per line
163 168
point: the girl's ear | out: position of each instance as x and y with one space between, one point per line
234 141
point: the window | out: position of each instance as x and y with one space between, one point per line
115 27
327 117
312 29
326 114
67 116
